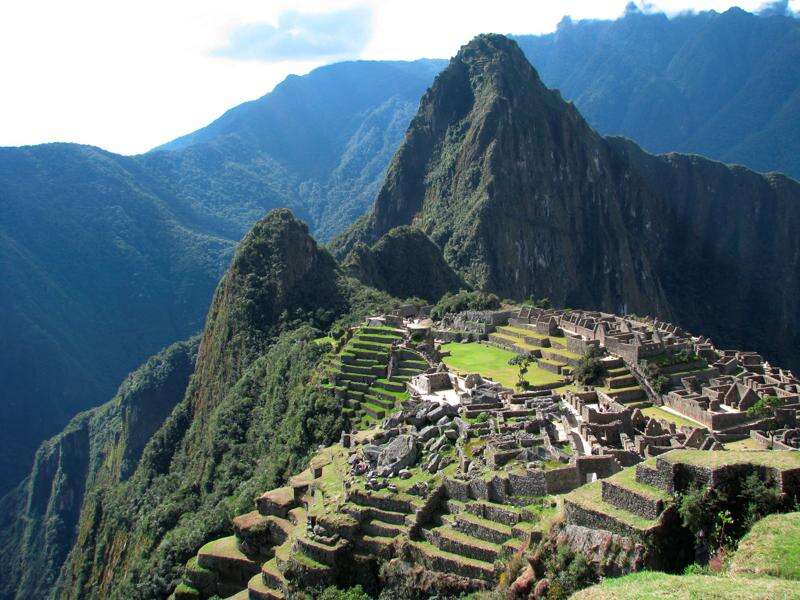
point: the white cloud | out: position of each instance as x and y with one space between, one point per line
128 75
330 35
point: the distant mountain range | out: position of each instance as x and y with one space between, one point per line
106 259
724 85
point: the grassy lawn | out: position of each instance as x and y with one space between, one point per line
703 458
771 548
492 363
745 444
660 413
590 497
651 585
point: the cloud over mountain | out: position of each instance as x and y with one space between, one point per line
301 36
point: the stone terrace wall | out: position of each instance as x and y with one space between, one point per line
563 480
580 345
713 421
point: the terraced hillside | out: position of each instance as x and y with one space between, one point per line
369 377
552 355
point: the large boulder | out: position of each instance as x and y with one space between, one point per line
400 453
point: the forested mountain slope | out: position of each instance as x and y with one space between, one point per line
105 259
249 417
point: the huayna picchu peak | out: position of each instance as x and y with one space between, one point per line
525 199
545 364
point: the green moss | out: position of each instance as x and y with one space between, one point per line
771 548
649 585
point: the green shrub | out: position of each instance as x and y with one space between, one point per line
589 370
464 300
522 362
764 406
353 593
720 516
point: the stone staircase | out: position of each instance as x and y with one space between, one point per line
381 519
621 385
360 374
467 539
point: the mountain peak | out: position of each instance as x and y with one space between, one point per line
487 95
496 169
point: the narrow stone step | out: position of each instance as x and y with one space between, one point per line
367 513
381 529
375 546
482 529
258 591
388 502
319 552
392 386
257 533
585 506
507 515
451 540
621 382
625 492
373 410
512 546
277 502
224 557
648 473
272 577
297 516
447 562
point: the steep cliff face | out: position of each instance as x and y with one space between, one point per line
404 263
98 449
518 191
524 198
250 416
733 265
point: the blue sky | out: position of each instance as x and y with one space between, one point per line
128 75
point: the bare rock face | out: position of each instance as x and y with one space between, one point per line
401 452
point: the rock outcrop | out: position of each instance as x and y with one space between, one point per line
404 263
